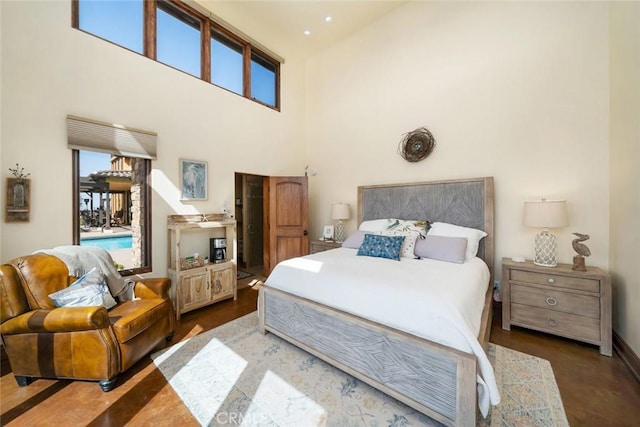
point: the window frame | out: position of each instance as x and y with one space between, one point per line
207 27
146 218
179 14
227 38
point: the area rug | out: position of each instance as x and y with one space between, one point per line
234 375
243 274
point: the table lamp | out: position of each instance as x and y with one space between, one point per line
340 211
545 214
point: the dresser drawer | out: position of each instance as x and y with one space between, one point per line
583 284
555 300
556 322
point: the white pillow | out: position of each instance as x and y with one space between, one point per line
472 235
88 291
375 225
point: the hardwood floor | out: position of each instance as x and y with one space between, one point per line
596 390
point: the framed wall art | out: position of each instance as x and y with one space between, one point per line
193 180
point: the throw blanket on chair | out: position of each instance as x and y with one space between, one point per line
81 259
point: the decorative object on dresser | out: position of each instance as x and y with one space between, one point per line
582 250
194 282
416 145
545 214
322 245
327 233
340 211
562 301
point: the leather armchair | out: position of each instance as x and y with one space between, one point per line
88 343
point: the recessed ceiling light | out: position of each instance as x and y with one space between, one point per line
307 32
328 18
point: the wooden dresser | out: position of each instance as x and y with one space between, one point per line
323 245
558 300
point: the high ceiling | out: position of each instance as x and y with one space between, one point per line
284 22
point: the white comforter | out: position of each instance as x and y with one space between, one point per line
436 300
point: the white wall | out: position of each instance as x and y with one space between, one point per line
517 91
625 170
50 70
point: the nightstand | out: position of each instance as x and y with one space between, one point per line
558 300
323 245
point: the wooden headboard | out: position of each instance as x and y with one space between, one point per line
465 202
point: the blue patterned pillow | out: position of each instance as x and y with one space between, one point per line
379 246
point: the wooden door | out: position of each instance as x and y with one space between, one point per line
252 205
286 219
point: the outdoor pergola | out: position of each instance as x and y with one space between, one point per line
106 182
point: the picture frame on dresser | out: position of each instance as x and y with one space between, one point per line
327 233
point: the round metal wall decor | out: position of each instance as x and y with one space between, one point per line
416 145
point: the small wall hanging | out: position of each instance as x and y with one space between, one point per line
17 202
416 145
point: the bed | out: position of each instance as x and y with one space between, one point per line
436 379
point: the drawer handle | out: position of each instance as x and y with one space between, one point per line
551 280
552 322
552 301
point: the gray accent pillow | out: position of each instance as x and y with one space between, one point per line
354 240
442 248
88 291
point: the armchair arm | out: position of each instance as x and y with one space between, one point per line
152 288
63 319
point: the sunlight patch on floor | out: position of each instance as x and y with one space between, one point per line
277 397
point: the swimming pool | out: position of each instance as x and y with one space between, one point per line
109 243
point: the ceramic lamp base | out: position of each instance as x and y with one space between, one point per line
340 233
546 249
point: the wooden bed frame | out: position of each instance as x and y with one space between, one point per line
436 380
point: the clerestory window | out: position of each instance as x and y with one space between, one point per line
176 34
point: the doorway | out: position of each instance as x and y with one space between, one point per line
249 213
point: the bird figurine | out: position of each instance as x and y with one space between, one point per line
582 250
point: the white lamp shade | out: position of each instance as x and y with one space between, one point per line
340 211
545 214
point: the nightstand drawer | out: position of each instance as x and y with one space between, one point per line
568 325
558 281
549 299
323 245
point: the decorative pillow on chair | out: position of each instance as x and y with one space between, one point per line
90 290
376 245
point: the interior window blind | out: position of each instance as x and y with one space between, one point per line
93 135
